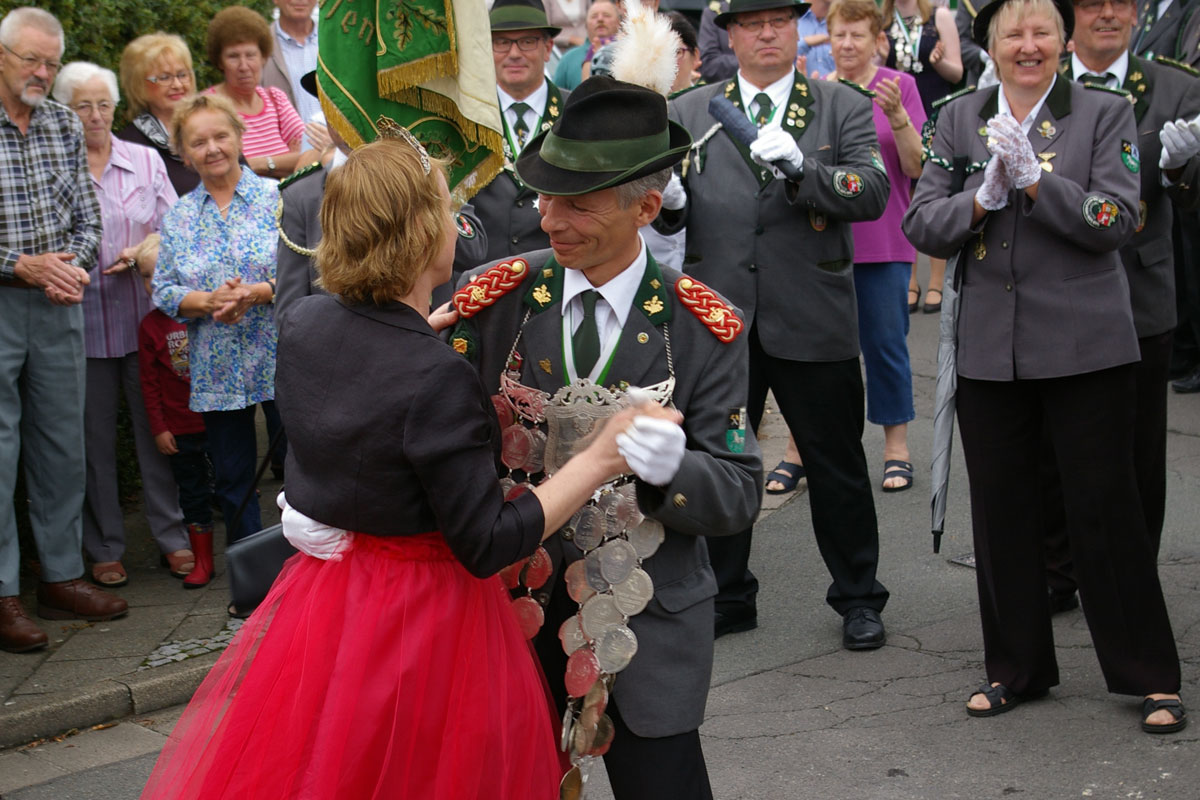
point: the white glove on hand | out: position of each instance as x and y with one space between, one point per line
1180 141
674 196
1009 142
993 194
653 448
311 537
775 145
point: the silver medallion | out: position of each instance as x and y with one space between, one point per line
582 672
515 446
646 537
565 736
572 415
589 528
617 560
575 576
616 648
632 595
594 571
537 452
599 615
571 635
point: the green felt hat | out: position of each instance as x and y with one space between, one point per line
745 6
520 15
610 132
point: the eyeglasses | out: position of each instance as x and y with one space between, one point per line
776 23
1096 6
31 62
502 44
183 76
86 109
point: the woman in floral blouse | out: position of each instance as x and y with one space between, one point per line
216 272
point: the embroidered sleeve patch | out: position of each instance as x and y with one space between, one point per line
465 229
1099 211
847 184
735 430
1130 156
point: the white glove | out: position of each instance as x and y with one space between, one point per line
993 194
653 448
311 537
674 196
1180 141
775 145
1009 142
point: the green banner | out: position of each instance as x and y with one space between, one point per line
423 64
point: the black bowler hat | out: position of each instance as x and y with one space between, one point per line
520 15
746 6
979 28
610 132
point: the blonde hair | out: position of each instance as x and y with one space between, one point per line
382 222
190 106
139 59
850 11
924 10
1017 10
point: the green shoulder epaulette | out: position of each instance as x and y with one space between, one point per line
963 92
856 87
300 173
1170 62
1102 88
685 90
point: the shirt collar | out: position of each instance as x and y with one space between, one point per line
536 101
1119 68
119 156
283 35
618 292
1003 106
248 186
779 91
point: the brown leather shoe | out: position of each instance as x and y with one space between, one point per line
78 599
18 633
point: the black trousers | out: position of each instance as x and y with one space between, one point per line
1090 419
1149 463
1185 235
822 403
639 767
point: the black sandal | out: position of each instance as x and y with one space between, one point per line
1001 700
787 475
895 468
933 308
914 299
1174 705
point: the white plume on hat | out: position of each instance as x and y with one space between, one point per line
645 49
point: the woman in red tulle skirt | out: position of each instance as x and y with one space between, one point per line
387 662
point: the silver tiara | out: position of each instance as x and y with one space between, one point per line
390 129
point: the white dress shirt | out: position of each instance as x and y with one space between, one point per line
612 310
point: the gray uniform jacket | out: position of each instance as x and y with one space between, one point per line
1161 94
717 61
1043 293
1157 36
717 490
300 221
781 251
507 207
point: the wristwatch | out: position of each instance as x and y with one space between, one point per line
270 163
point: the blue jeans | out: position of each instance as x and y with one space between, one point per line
234 451
882 290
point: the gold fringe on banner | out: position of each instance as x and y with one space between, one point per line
443 106
393 81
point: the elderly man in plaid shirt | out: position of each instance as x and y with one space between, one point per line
49 233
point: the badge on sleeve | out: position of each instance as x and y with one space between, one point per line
735 430
1099 211
1130 156
847 184
465 229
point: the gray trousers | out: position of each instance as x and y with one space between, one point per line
103 526
41 419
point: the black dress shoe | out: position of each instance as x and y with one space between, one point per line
734 620
1188 384
862 629
1062 601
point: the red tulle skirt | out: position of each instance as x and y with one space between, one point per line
391 673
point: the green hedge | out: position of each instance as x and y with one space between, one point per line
98 30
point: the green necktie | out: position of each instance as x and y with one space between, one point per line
1091 79
521 129
764 109
586 341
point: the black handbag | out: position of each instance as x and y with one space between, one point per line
253 563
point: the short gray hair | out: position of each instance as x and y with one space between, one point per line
76 74
630 193
29 17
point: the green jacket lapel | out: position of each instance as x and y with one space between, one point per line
1139 85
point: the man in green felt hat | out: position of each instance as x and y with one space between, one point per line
782 250
522 40
597 312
